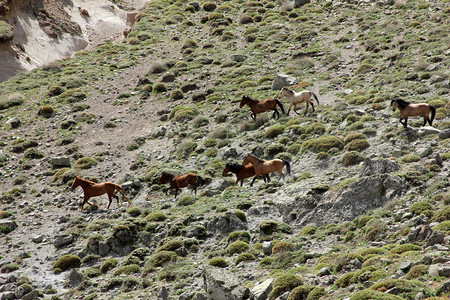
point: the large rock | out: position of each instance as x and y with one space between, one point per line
426 130
283 80
378 167
298 3
445 134
262 290
439 270
351 201
225 224
221 284
60 162
74 278
63 240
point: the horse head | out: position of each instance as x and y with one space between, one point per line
165 177
247 159
285 91
226 169
76 183
394 104
244 101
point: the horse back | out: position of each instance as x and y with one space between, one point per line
422 109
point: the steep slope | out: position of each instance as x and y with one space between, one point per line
367 202
45 31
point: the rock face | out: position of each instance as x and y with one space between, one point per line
221 284
225 224
262 290
283 80
378 167
351 201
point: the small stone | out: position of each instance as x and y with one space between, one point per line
267 248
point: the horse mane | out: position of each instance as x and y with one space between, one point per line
288 89
85 180
235 167
260 160
401 103
250 98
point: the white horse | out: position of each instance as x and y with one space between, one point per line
296 98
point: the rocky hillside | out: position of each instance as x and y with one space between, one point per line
364 215
34 33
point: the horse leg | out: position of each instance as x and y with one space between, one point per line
289 109
110 200
251 184
312 104
307 106
85 201
403 123
275 111
425 119
117 199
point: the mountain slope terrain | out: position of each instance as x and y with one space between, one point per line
364 213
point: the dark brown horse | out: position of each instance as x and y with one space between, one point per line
407 109
242 172
181 181
93 189
258 107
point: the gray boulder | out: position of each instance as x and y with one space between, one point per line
378 167
351 201
428 130
60 162
63 240
445 134
74 278
225 224
283 80
221 284
299 3
262 290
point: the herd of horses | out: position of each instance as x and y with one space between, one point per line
251 166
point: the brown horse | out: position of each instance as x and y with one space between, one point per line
265 167
296 98
258 107
181 181
242 172
93 189
407 109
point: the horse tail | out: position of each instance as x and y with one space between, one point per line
199 181
288 166
280 105
315 97
433 114
120 189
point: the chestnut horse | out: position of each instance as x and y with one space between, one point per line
296 98
258 107
265 167
181 181
242 172
407 109
93 189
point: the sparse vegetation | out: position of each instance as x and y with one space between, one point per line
166 98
